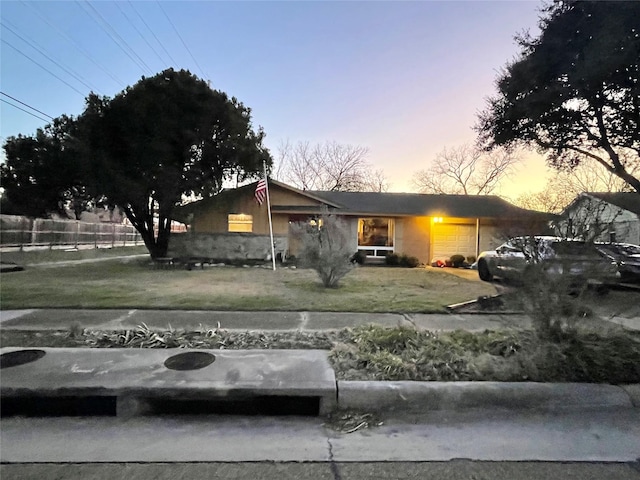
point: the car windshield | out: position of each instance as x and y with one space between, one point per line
573 248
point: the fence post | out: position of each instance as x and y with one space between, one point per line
77 233
23 229
34 225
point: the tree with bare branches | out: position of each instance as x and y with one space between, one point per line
565 186
466 170
329 166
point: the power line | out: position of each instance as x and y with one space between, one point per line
74 43
113 34
45 54
139 32
25 111
181 39
154 34
42 67
26 105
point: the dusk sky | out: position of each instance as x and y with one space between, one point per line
404 79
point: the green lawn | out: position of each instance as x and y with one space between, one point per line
135 284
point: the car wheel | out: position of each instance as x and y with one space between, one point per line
483 271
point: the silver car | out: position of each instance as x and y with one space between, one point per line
627 258
574 260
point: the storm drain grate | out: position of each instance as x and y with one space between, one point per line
20 357
101 406
259 405
63 406
189 361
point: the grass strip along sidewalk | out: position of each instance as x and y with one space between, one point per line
361 353
377 353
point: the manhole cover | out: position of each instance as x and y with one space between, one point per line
189 361
20 357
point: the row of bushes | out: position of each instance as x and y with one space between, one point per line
395 260
391 259
407 261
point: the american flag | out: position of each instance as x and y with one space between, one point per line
261 191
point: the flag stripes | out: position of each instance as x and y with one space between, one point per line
261 191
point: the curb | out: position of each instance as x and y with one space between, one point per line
634 393
409 396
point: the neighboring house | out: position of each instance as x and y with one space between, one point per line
232 225
603 216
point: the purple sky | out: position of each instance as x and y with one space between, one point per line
404 79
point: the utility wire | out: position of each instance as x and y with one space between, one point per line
181 39
154 34
48 57
42 67
74 43
115 36
25 111
26 105
139 32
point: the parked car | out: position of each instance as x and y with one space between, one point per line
575 260
627 259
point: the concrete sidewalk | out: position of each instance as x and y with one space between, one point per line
63 319
397 396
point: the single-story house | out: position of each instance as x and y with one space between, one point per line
232 225
603 216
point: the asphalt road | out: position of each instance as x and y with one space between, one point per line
453 470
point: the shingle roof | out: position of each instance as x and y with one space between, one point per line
387 204
628 200
414 204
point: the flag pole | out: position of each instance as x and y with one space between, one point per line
273 248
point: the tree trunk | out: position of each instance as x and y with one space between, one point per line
157 247
162 242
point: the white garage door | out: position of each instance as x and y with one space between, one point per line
451 239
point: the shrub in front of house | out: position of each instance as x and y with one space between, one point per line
392 259
325 247
395 260
409 261
359 257
457 261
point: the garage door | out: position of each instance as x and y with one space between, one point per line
450 239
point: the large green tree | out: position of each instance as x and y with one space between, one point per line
574 91
43 174
166 138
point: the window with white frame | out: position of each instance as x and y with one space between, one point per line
376 235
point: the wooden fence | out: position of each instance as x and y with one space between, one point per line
22 232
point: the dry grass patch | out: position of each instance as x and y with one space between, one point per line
377 353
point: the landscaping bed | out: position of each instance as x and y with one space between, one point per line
377 353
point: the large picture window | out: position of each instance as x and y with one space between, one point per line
239 222
375 236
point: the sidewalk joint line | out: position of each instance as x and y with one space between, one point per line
304 320
332 462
